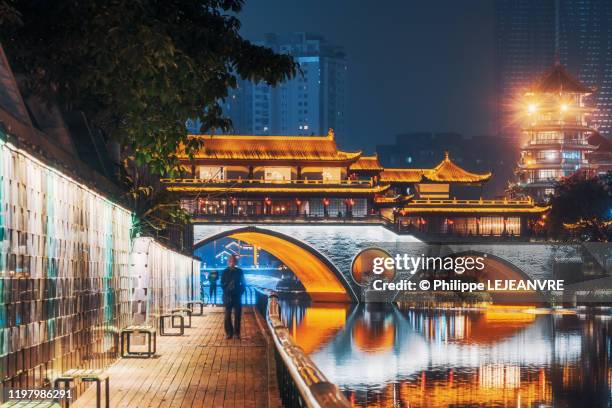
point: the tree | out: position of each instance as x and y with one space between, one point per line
138 69
582 208
155 211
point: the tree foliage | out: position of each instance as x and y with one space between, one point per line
155 211
138 68
582 208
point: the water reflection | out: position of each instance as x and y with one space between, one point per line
390 357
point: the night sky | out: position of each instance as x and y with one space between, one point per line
413 66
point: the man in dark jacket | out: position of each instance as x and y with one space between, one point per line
233 285
213 277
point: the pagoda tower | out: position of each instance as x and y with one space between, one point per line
556 131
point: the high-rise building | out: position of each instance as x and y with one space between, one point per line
525 38
585 48
309 104
532 34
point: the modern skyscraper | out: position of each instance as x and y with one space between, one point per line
585 48
525 37
532 34
310 103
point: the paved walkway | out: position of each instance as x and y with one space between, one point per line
199 369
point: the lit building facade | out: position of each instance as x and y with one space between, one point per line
309 104
274 176
556 131
524 39
246 179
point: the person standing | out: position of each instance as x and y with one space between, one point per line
233 285
213 277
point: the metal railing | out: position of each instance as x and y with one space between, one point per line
301 383
527 201
305 181
248 297
298 218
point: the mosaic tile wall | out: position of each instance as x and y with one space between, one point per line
64 273
164 280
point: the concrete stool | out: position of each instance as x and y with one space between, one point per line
192 303
181 311
96 376
162 324
149 332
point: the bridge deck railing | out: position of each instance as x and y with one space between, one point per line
301 383
258 181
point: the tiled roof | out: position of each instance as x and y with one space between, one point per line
446 171
557 79
292 148
402 175
369 163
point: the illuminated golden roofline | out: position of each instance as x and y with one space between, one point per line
367 163
234 148
279 189
445 171
330 136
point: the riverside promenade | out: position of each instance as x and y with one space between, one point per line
199 369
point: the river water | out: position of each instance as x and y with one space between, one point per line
388 356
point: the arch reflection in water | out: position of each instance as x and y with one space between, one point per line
385 356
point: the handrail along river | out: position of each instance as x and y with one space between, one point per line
301 383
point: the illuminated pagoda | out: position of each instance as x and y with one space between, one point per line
556 133
308 179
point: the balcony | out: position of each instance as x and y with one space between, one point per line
305 186
257 182
481 202
288 219
558 122
557 144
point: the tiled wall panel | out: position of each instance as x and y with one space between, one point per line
164 280
64 272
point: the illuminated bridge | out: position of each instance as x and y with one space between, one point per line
321 255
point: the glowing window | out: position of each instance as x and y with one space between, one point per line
277 174
331 174
211 172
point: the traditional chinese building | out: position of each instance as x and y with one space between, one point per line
556 132
308 179
274 176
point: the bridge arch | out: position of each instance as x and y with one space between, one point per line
320 277
497 268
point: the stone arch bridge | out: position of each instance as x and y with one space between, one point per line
321 255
